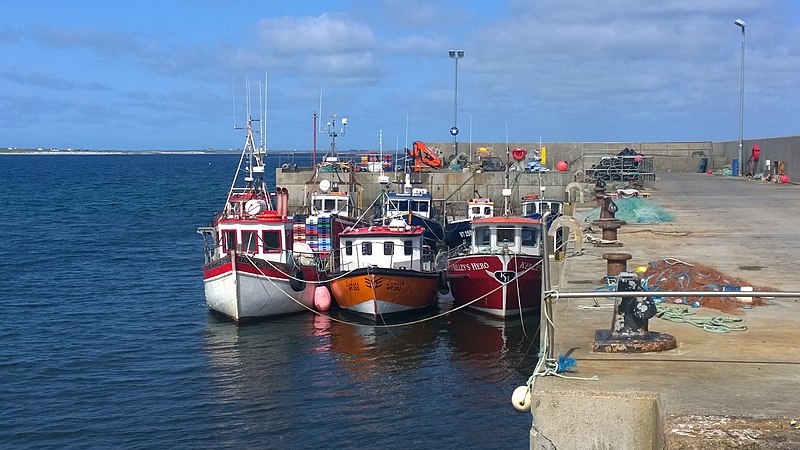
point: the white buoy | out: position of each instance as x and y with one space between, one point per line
322 298
521 399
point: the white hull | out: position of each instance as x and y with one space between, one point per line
242 295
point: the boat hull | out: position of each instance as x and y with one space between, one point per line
242 287
458 233
499 285
377 291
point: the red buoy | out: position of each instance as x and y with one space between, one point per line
561 166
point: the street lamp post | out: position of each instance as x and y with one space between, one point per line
741 23
456 55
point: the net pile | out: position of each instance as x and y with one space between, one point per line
635 210
674 275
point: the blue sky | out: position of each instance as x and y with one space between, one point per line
162 75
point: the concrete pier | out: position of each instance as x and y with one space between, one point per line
715 390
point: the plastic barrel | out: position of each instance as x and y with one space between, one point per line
735 167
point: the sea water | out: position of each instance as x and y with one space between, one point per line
106 340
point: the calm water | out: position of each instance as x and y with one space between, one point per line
107 341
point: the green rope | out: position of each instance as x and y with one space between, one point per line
716 324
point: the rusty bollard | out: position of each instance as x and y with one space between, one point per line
617 263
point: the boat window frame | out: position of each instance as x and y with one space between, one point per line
388 248
252 244
264 241
408 247
348 247
225 239
536 235
366 248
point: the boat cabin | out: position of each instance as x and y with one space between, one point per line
480 208
400 204
533 206
517 235
330 203
266 237
397 246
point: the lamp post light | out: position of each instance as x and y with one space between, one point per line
740 23
456 55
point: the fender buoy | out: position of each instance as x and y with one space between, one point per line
322 298
297 280
521 399
444 288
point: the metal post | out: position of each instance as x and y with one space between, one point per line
456 55
546 319
741 23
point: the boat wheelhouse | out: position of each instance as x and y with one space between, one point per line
533 206
415 207
384 270
501 273
458 233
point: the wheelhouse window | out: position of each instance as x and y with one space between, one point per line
366 248
388 248
330 204
408 247
483 236
555 208
487 211
272 241
399 205
530 236
420 206
348 247
228 240
317 204
505 235
249 241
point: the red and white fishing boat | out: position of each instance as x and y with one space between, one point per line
250 269
384 270
501 273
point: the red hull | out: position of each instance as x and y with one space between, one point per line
499 285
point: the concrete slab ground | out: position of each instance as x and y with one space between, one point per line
731 390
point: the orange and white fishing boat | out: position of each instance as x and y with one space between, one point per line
251 270
384 270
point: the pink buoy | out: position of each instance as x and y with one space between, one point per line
322 298
710 172
561 166
637 158
784 178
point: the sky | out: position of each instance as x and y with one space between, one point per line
174 75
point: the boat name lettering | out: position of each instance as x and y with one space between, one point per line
526 265
470 266
395 285
352 285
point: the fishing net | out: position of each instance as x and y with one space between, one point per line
635 210
674 275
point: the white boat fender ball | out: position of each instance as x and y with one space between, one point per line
322 298
521 399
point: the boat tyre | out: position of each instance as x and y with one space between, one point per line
444 288
297 281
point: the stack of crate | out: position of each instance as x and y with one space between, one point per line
311 233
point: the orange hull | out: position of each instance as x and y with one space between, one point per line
377 291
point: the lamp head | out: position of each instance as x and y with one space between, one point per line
452 53
740 22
